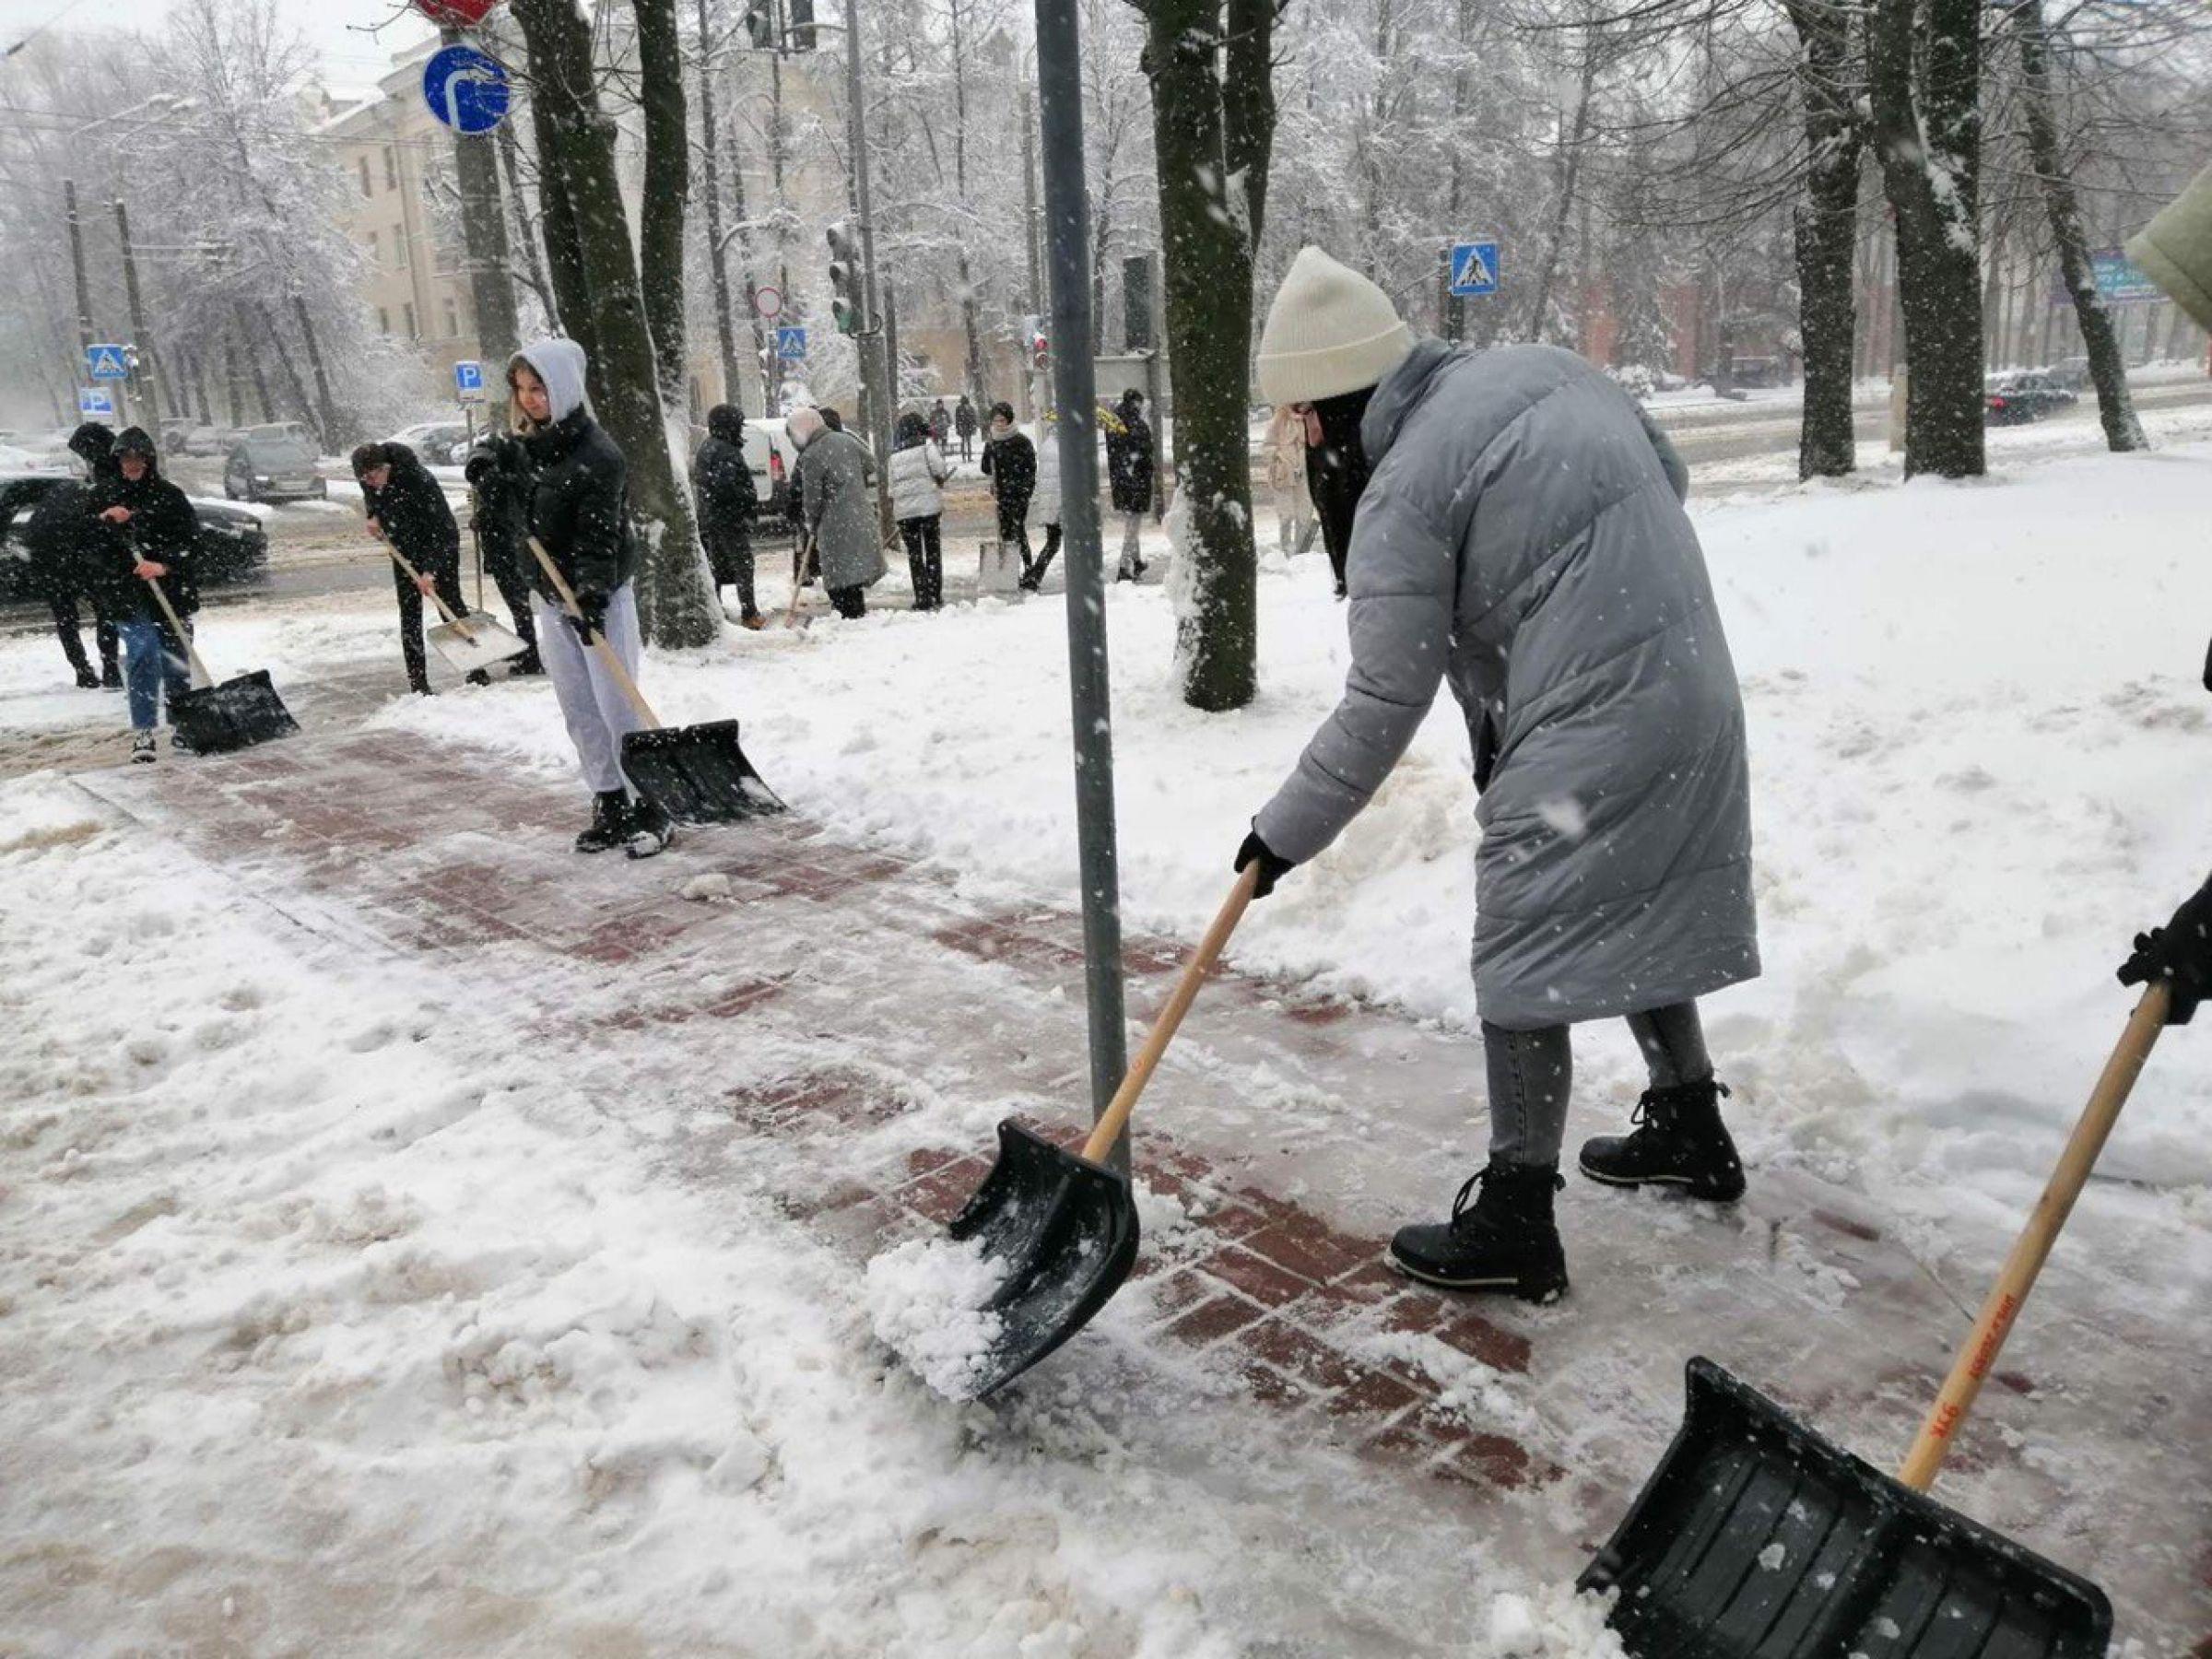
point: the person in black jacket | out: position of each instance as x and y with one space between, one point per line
499 482
63 536
156 529
963 422
406 508
1010 463
1129 471
721 483
579 512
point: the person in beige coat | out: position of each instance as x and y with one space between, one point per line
1295 522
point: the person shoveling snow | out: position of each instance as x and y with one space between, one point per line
925 1300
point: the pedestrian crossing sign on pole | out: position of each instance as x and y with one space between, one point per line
1473 269
108 362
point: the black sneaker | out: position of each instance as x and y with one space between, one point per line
1505 1240
651 829
1678 1141
87 680
144 751
110 677
477 677
610 823
525 663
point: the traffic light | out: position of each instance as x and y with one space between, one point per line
1036 342
844 277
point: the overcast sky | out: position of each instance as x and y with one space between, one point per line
337 29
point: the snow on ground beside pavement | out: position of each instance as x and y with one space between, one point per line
343 1308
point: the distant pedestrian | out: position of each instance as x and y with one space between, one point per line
721 481
1044 506
580 514
963 422
918 470
1010 463
839 506
405 507
1295 523
65 538
940 423
1130 474
805 566
156 529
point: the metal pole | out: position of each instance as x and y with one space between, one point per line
84 288
152 377
1029 378
870 335
1068 218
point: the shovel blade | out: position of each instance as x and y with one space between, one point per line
1755 1536
699 774
475 643
1065 1232
235 714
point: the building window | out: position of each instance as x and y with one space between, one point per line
367 188
376 248
399 246
383 320
391 168
409 313
453 318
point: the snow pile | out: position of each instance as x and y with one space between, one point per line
926 1301
1555 1623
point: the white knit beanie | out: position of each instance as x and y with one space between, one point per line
803 425
1330 330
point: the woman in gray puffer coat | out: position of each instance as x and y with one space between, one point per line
1520 535
837 482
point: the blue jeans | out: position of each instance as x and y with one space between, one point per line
153 665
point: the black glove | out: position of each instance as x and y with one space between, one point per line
493 456
1273 868
591 620
2181 954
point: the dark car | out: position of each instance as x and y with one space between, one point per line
233 550
273 464
2016 399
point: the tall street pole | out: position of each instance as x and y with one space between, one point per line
870 333
1067 222
151 378
84 288
484 232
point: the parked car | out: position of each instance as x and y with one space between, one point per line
210 439
2071 374
270 465
435 442
233 550
2022 396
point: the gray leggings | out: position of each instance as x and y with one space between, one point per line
1532 1074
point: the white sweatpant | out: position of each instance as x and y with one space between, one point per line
598 715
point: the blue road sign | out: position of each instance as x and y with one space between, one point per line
1473 269
468 382
466 90
791 345
108 362
95 403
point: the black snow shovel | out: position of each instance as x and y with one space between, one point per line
213 720
470 644
1756 1537
1062 1225
698 774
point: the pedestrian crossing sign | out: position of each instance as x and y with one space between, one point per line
108 362
1473 269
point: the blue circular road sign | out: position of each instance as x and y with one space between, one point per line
466 90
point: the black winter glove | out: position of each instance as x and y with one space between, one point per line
2181 954
1273 868
490 458
591 621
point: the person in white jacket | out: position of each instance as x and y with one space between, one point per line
918 469
1044 506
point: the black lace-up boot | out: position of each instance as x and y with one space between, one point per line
1678 1141
610 823
1503 1240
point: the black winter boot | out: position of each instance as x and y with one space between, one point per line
650 831
1505 1240
610 823
1678 1141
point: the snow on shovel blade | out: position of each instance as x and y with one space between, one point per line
475 643
1063 1230
235 714
698 773
1756 1536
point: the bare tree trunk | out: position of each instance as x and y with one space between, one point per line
718 270
675 601
667 195
2115 406
1569 169
970 314
249 335
484 232
564 242
534 270
1826 232
234 391
270 332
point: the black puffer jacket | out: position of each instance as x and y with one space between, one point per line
1129 459
414 512
1010 463
162 527
579 506
67 539
723 482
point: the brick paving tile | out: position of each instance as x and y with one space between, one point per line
1183 1289
1309 1248
1290 1349
1255 1276
1478 1338
1373 1394
1211 1321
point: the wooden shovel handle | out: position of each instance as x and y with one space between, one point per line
1983 1343
444 609
798 581
1109 1127
201 678
599 639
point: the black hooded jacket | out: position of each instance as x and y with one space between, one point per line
63 532
579 506
415 514
721 480
162 527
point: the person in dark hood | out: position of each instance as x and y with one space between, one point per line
964 424
728 498
499 482
1129 472
66 538
579 512
1010 463
155 529
406 508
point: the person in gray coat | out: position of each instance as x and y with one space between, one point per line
1516 532
838 476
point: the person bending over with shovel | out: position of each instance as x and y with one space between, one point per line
158 528
579 512
1519 533
407 509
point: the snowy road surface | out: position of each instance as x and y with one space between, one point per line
360 1295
